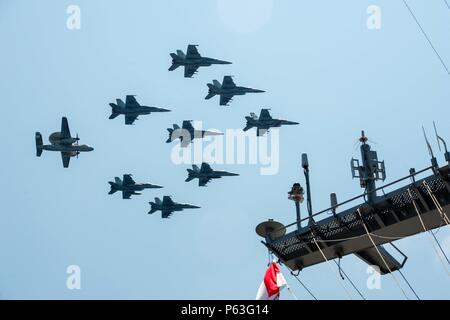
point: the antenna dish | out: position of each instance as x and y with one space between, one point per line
268 227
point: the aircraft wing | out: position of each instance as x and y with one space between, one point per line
261 132
65 159
167 201
187 125
65 131
128 180
165 214
225 99
205 168
126 194
130 119
131 102
228 83
192 52
203 181
190 70
265 115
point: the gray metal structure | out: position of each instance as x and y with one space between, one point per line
63 142
264 122
129 187
131 109
387 217
192 60
187 133
227 90
168 207
205 174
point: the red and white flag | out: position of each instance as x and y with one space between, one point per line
272 284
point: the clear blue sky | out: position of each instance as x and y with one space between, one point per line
320 66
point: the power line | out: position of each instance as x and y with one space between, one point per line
426 36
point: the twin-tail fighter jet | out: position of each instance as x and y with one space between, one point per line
191 61
62 142
128 186
205 174
168 207
265 122
187 133
131 109
227 90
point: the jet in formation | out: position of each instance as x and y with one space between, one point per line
131 109
205 174
227 90
62 142
129 187
265 122
191 61
167 207
187 133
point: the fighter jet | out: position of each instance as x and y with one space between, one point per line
131 109
187 133
62 142
265 122
205 174
227 90
167 207
129 187
191 61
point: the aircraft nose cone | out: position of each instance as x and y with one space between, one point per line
165 110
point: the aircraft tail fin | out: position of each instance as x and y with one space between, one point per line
191 172
155 205
217 84
171 137
190 176
114 111
180 54
174 66
113 187
39 144
211 91
169 140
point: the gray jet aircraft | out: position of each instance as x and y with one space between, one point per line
227 90
131 109
167 207
129 187
187 133
191 61
205 174
265 122
62 142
